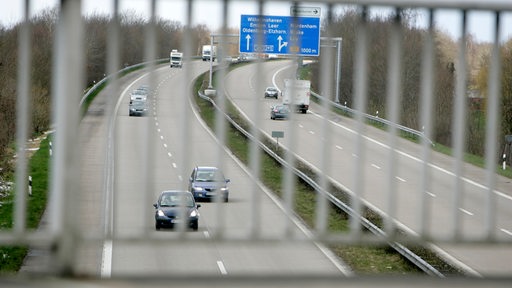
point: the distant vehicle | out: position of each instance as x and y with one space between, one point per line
296 94
174 207
209 52
139 94
245 57
144 88
137 108
207 183
271 92
176 58
228 60
279 112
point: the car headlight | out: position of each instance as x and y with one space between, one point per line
224 189
194 213
160 213
198 188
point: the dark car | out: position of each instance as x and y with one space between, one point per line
271 92
206 183
137 108
279 112
176 207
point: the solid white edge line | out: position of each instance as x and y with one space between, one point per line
106 257
222 268
106 261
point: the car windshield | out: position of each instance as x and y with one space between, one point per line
175 200
139 92
209 176
138 102
282 109
271 89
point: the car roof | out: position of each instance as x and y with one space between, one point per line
175 192
206 168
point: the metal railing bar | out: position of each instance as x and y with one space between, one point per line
492 128
327 63
393 98
22 122
361 100
67 76
458 128
427 96
256 226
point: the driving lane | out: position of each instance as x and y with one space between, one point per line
339 139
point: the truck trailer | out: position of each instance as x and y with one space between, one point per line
296 94
209 52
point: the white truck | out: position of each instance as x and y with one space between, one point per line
176 58
209 51
296 94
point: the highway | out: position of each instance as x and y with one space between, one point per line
127 162
339 140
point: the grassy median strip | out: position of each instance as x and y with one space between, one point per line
363 260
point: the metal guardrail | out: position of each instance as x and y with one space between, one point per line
383 121
404 251
109 77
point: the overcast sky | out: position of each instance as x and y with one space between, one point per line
209 12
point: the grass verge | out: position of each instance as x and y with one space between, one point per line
13 256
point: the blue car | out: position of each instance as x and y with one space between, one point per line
279 112
207 183
176 207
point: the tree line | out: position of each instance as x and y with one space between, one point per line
43 25
346 25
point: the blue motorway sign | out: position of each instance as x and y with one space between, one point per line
280 35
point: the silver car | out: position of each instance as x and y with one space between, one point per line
271 92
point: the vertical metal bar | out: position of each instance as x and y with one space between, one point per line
289 179
492 128
184 119
459 129
68 85
394 95
427 95
326 81
220 121
113 66
150 54
22 121
361 100
184 148
255 152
